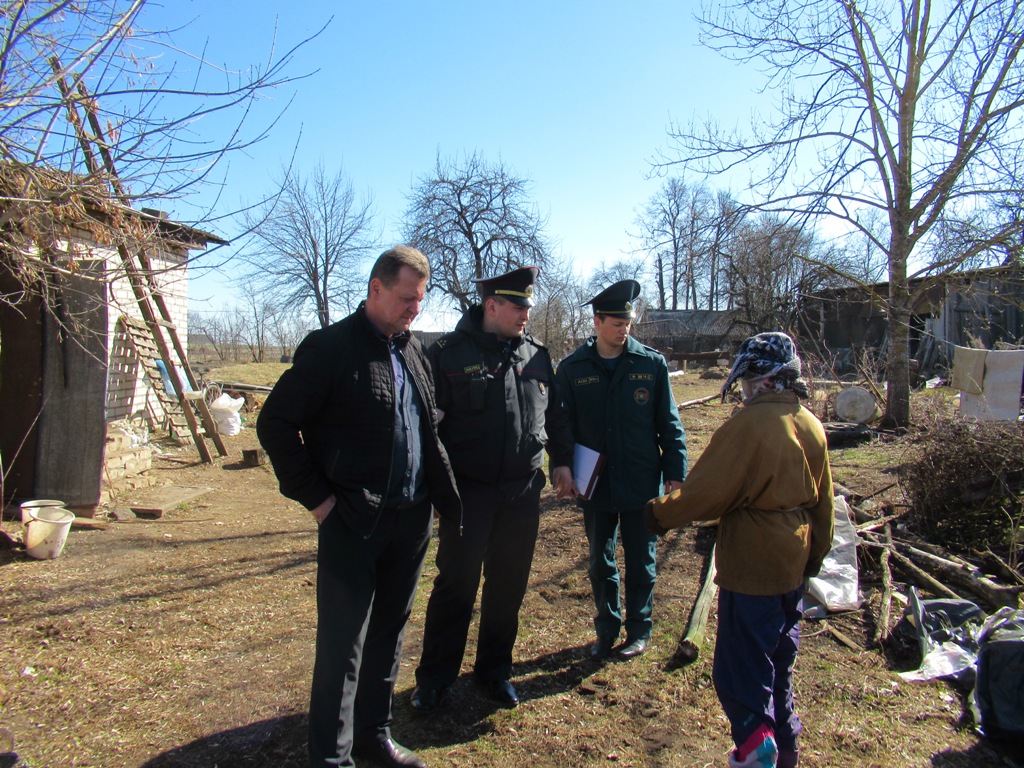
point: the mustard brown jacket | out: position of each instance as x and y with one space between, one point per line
765 476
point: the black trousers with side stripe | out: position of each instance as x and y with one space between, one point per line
499 534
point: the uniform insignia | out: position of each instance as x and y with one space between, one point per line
543 389
641 396
473 368
586 380
641 377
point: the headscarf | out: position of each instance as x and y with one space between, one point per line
768 355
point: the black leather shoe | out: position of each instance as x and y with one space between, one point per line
601 649
632 649
501 691
390 754
426 698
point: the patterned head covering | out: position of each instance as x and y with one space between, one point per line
770 354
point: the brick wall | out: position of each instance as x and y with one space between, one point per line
127 458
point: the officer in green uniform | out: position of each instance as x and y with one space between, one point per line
498 414
617 395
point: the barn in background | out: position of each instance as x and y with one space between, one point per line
980 308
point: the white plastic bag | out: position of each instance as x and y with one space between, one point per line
837 586
225 411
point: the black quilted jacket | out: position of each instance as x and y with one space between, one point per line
328 424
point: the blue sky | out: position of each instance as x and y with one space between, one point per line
575 96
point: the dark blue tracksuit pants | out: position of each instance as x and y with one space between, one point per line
758 637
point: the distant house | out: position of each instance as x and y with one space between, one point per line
692 331
427 338
68 365
978 307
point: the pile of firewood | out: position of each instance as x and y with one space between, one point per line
985 579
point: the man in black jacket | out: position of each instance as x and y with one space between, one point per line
351 431
495 391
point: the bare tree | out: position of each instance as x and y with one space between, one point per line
559 319
287 329
664 236
90 69
605 274
474 219
310 242
770 265
257 309
224 329
682 230
728 219
907 108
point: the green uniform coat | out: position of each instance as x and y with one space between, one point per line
629 416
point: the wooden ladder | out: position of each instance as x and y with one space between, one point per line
145 348
139 271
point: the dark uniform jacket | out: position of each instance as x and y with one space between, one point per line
339 395
499 409
630 417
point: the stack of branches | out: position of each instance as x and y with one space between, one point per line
960 536
46 218
964 481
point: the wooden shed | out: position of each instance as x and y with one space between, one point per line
68 366
692 331
981 307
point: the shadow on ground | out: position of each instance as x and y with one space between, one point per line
276 743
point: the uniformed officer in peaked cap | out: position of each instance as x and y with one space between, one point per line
617 299
617 394
495 388
516 286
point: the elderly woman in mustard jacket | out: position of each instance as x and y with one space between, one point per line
765 477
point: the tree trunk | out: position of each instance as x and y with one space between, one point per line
897 403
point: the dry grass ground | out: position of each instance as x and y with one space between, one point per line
187 641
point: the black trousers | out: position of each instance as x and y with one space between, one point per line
364 595
498 538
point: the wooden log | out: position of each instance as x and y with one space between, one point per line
924 578
1000 567
880 522
698 401
689 647
906 565
841 637
994 595
932 549
882 627
695 356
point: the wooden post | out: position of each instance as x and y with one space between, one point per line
689 646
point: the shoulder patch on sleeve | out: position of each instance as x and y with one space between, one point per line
528 338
